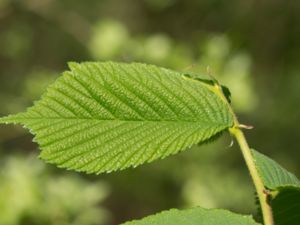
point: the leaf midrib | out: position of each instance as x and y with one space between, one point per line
124 120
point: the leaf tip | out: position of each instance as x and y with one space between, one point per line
73 65
8 120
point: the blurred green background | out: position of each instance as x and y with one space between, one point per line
251 46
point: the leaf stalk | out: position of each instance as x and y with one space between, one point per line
249 159
258 183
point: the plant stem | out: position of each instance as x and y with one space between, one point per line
258 183
248 157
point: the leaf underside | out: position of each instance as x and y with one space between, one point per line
195 216
286 202
101 117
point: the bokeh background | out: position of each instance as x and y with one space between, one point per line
251 46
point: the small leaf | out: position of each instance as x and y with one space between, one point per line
100 117
286 186
274 176
195 216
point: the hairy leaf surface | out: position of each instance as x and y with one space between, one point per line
286 187
195 216
100 117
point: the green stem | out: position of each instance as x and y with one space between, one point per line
258 183
248 157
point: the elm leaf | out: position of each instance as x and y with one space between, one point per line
284 185
100 117
195 216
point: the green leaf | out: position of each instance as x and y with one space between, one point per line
272 174
284 187
195 216
100 117
209 81
286 206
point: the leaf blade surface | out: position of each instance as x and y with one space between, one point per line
285 186
101 117
195 216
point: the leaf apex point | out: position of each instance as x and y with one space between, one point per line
8 119
72 65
